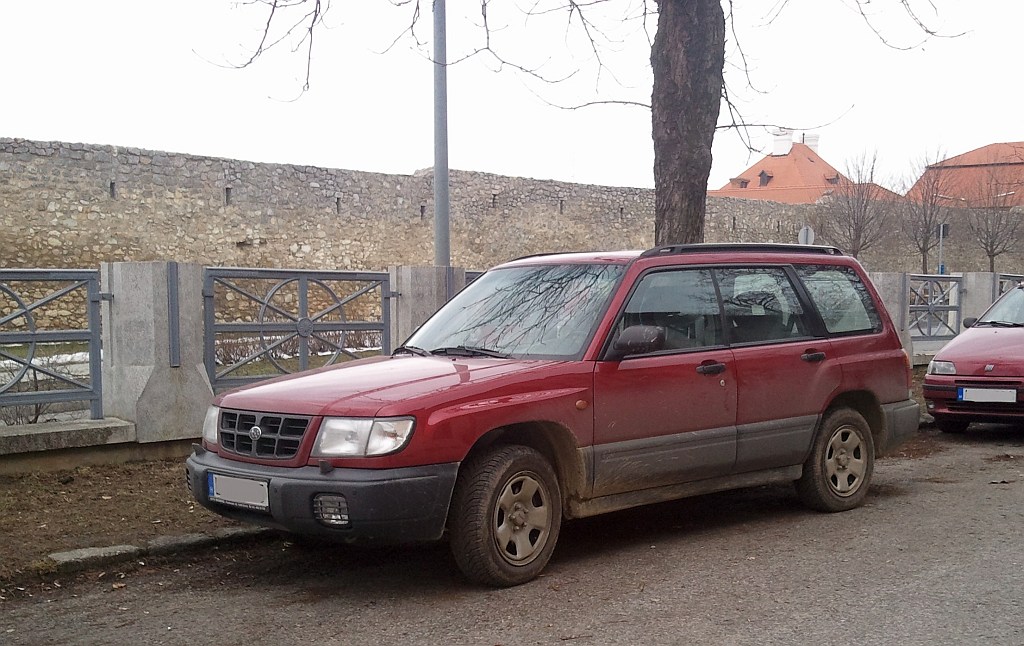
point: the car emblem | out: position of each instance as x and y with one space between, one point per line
990 367
255 432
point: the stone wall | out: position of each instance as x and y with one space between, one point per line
76 205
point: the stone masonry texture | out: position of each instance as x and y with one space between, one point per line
72 205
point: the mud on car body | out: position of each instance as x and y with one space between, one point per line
568 385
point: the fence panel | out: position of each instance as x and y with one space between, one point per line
934 306
1006 282
265 322
49 342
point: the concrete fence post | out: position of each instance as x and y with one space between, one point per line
421 292
976 293
892 288
153 371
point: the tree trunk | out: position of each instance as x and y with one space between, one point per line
992 264
924 262
687 59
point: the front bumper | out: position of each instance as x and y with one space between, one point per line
384 505
946 398
901 422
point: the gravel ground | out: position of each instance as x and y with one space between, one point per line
932 557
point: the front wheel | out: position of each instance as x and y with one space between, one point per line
506 515
838 472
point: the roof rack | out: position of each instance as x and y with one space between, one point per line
545 253
672 249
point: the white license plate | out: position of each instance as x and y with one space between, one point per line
987 395
240 492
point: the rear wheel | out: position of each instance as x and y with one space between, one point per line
838 472
506 515
947 425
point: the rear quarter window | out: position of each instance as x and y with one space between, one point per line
841 298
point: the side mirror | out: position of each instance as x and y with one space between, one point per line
637 339
970 321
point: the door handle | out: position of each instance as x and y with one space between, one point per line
711 368
813 356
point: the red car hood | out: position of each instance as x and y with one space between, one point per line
977 347
362 388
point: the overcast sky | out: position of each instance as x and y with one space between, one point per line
157 74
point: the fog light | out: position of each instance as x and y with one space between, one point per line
331 510
930 405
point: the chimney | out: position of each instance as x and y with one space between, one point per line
811 141
783 142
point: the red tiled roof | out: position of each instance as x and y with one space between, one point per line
1005 153
799 177
990 176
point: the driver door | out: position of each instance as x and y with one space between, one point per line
668 416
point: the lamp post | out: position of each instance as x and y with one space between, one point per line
442 244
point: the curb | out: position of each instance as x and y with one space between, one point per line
90 557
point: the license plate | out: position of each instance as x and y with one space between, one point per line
239 492
1003 395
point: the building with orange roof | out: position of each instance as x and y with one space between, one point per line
793 174
988 177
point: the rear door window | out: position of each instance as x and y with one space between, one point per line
761 305
842 299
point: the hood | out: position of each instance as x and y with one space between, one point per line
977 347
361 388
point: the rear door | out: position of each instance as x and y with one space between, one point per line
668 416
786 369
870 359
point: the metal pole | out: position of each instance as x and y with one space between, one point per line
942 230
442 251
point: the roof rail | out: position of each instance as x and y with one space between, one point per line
545 253
672 249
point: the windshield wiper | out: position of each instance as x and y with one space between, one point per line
469 351
411 349
999 323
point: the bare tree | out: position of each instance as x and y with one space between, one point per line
687 58
991 216
859 213
927 205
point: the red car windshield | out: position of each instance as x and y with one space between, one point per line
541 311
1008 311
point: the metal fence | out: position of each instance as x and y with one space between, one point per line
265 322
1004 283
49 341
934 306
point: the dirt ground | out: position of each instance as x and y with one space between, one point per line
94 506
100 506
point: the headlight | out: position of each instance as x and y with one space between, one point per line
941 367
358 437
210 425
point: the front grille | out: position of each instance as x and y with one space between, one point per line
278 438
1004 408
988 383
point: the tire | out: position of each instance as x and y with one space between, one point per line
947 425
506 515
838 471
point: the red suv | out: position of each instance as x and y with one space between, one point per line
568 385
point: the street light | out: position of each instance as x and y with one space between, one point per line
442 243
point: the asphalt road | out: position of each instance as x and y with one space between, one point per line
934 557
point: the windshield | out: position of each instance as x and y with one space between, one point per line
546 311
1008 310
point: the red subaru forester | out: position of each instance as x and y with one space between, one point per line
568 385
